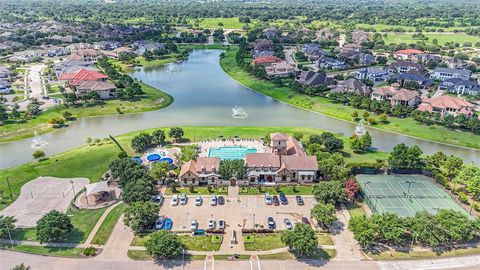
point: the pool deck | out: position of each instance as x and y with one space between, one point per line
206 145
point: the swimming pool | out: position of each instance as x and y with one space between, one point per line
230 152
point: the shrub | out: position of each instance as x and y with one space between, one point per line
463 198
89 251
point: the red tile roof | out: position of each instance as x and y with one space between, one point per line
266 60
87 75
444 102
409 51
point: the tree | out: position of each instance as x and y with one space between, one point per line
141 216
176 133
234 168
56 122
469 175
354 115
351 189
456 224
332 166
67 115
21 267
355 143
7 223
127 170
366 141
159 169
138 190
301 239
404 157
333 144
390 227
53 226
324 214
142 141
158 137
363 230
451 167
38 155
298 136
329 192
424 228
163 245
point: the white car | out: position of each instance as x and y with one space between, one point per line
174 201
198 201
268 199
211 223
221 224
194 225
213 200
183 199
288 224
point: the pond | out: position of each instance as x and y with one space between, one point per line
206 96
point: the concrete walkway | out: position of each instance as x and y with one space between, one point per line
118 243
347 247
99 222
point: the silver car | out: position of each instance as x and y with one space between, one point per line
183 199
194 225
288 224
198 201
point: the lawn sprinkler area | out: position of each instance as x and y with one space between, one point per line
404 195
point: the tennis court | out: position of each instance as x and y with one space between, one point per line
404 194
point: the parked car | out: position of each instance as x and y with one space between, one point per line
194 225
183 199
158 199
268 199
159 223
213 200
211 223
221 224
299 200
198 201
288 224
221 200
276 201
271 223
168 224
283 198
174 201
305 220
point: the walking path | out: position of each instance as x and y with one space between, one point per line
99 223
346 246
118 243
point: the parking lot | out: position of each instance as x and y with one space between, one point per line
242 213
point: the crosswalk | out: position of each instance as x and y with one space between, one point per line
255 263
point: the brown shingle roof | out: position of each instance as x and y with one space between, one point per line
300 163
262 159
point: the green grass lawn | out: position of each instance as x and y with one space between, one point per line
230 256
228 23
442 38
92 161
196 243
264 242
141 255
324 239
357 210
50 251
83 222
319 254
419 255
153 99
105 230
198 191
407 126
288 190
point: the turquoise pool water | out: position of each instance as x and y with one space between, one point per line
230 152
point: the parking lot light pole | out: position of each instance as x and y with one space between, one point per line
183 258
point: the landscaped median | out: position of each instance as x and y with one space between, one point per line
106 229
195 243
50 251
406 126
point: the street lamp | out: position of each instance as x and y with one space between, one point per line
73 188
183 258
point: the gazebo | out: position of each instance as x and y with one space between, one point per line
99 192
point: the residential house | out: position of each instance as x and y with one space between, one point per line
270 33
314 79
105 90
262 47
351 86
395 96
427 58
116 52
107 45
63 39
408 54
456 63
203 171
324 34
71 66
83 75
265 60
360 37
414 75
86 55
58 51
364 59
351 47
4 73
447 105
280 69
405 66
312 52
149 47
24 56
75 47
331 63
460 86
5 87
447 73
373 74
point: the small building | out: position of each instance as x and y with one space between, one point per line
407 54
395 96
314 79
351 47
351 86
447 105
107 45
373 74
447 73
360 37
203 171
331 63
460 86
455 63
270 33
280 69
86 55
405 66
149 47
105 90
83 75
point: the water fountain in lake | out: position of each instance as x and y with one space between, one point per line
38 142
172 67
360 129
239 112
